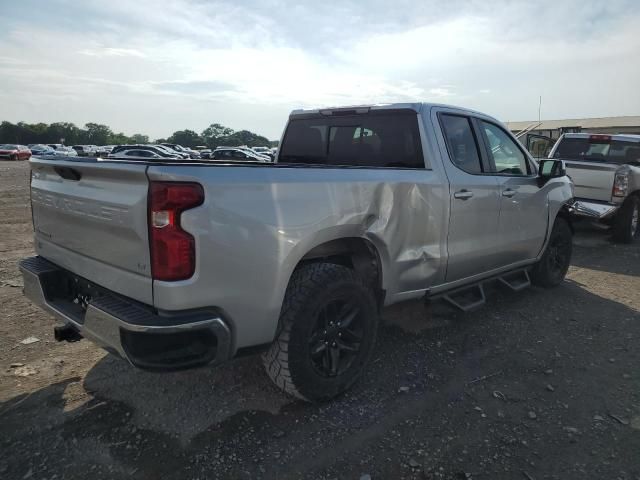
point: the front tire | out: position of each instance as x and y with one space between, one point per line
626 227
327 331
552 267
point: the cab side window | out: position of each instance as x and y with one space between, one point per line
503 152
461 143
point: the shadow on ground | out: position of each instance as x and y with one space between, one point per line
514 387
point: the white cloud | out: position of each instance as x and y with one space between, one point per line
112 52
142 68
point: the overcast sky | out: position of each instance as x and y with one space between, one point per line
153 67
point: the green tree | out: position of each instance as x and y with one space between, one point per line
186 138
97 134
94 133
9 133
245 137
59 130
118 139
214 133
139 138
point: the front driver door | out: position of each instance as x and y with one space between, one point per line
524 206
474 201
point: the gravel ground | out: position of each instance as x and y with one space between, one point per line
537 384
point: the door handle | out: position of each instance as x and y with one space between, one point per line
463 195
508 192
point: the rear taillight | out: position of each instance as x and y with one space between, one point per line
173 253
620 184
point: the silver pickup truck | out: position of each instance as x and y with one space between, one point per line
606 172
176 264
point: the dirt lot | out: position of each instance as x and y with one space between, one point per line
537 384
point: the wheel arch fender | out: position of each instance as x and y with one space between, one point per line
559 200
366 254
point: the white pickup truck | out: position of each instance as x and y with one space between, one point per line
605 170
177 263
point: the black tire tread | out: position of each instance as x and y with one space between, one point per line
305 281
621 231
539 274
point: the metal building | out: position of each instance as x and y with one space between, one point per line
554 128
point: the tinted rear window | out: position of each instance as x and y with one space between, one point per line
615 151
371 140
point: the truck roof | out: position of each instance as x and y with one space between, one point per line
417 106
625 137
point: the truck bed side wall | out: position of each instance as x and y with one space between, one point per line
257 223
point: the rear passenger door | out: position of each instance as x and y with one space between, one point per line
524 214
474 199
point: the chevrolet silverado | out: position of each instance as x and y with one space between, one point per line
177 264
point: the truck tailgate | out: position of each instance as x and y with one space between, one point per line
90 217
592 180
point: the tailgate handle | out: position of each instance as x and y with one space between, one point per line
68 173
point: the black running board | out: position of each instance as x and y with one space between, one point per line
516 281
466 298
471 297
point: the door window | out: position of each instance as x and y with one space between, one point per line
505 155
461 143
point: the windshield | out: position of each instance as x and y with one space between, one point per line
8 147
598 150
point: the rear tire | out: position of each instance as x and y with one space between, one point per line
626 227
552 267
327 331
13 157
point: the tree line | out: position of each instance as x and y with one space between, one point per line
97 134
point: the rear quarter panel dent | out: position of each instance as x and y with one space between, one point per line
257 223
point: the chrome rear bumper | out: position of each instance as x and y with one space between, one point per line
597 211
135 332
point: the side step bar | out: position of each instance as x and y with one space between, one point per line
471 297
516 281
466 298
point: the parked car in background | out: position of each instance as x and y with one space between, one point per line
179 148
173 152
40 150
233 154
86 150
103 151
606 172
137 154
264 151
63 151
14 151
195 154
172 265
157 149
206 153
252 151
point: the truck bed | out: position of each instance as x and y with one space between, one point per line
255 224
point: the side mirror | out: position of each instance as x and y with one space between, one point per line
548 169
